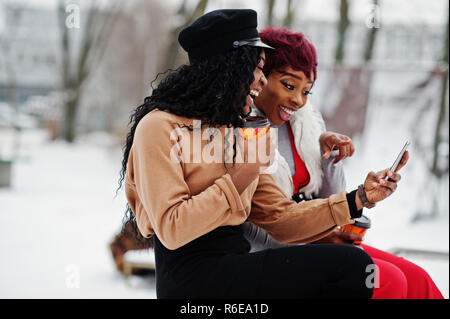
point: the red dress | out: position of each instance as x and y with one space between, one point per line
395 277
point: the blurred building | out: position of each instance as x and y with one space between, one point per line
29 51
30 46
418 44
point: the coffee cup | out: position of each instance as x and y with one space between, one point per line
359 227
254 127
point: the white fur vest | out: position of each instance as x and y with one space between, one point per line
307 125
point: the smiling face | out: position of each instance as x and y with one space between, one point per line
259 82
286 92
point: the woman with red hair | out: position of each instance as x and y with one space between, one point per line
307 169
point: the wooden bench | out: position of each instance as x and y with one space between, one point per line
138 260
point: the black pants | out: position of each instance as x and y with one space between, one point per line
219 265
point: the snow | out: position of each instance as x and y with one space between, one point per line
57 220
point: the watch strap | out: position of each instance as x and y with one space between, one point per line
363 197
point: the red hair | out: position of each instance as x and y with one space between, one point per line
292 49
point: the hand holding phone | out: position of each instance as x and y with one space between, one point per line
399 157
373 192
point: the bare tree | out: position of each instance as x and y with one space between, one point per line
270 7
6 48
438 169
127 67
77 65
373 29
290 13
344 22
348 87
186 17
435 156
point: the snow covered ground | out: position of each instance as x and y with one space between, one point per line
57 219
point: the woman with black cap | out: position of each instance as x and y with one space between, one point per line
193 206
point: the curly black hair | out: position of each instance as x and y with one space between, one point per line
213 90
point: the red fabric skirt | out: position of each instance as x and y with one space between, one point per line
398 278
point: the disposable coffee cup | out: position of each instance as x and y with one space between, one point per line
254 127
359 227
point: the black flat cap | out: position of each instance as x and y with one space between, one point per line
220 31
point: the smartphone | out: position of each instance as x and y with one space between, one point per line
399 157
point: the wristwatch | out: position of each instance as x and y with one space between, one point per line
362 196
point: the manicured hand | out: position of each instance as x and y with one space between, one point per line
330 141
375 185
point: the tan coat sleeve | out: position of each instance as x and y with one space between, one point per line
175 215
290 222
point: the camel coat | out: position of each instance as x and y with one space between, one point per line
178 193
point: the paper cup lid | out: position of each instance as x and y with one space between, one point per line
256 122
362 222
